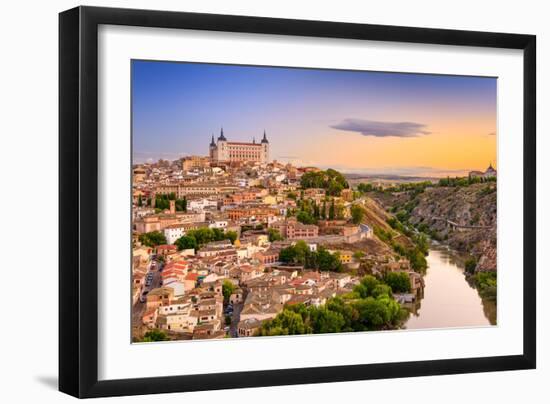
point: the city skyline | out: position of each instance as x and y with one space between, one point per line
372 122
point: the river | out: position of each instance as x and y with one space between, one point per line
449 300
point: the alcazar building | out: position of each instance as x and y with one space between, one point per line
225 151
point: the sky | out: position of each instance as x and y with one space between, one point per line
353 121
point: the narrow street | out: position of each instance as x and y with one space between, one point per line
233 331
139 308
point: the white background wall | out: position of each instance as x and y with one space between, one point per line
28 159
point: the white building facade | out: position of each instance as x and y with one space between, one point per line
224 151
174 232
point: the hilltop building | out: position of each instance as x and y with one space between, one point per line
489 173
224 151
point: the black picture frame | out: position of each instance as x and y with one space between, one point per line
78 196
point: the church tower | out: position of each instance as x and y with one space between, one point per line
265 149
212 149
222 147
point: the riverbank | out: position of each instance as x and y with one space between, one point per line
449 298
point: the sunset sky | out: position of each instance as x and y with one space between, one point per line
354 121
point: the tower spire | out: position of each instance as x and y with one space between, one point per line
222 137
264 139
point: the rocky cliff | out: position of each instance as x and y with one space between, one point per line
463 217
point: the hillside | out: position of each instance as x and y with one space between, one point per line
375 216
473 207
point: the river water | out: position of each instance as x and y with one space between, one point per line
449 300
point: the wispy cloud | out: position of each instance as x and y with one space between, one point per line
492 134
367 127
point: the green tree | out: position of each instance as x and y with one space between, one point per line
285 323
327 261
274 235
325 321
162 202
186 242
296 254
227 289
369 307
231 236
382 234
287 255
305 218
300 254
357 214
364 188
422 243
334 188
198 237
330 180
366 286
470 265
152 239
302 251
181 205
154 335
332 211
417 259
399 282
140 201
381 290
486 283
316 212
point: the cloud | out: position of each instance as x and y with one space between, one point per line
492 134
382 129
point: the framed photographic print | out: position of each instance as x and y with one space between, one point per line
251 201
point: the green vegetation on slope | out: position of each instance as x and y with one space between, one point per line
369 307
331 180
486 283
